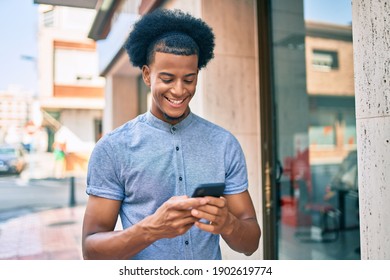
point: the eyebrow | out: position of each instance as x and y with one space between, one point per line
171 75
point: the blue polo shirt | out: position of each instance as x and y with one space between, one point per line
147 161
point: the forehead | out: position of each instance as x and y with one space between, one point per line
166 61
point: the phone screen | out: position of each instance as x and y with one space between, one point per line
209 189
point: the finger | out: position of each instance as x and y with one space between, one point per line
174 216
209 209
179 197
177 226
216 201
186 204
188 221
204 215
180 230
206 227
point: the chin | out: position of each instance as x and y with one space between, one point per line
174 117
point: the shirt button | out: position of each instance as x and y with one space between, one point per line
186 242
177 148
180 179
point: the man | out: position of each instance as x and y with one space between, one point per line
147 169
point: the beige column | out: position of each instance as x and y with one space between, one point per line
371 41
125 104
121 101
229 87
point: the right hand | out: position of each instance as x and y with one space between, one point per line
173 218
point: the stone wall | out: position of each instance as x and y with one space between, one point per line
371 33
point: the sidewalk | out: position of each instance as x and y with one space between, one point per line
47 235
53 234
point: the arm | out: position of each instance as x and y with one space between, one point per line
100 241
234 217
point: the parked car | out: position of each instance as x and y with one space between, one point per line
12 159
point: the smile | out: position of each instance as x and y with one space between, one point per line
175 102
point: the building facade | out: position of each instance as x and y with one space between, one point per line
300 97
15 112
71 91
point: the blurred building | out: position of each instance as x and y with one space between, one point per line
330 89
71 91
15 112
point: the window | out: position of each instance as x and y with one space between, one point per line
325 60
322 129
75 67
48 18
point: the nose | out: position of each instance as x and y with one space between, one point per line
178 88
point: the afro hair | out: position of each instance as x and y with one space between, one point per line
169 31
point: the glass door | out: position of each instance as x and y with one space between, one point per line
314 138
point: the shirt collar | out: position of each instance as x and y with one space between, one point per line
160 124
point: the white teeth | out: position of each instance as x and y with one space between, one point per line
176 102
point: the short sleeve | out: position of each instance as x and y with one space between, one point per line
102 179
236 177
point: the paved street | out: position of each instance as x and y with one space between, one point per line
19 197
36 188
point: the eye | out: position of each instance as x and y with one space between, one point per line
166 81
188 81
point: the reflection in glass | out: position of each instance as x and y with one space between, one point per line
316 133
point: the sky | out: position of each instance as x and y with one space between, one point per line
18 33
18 47
332 11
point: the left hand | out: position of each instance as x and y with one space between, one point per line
216 211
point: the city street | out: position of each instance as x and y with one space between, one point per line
19 197
36 221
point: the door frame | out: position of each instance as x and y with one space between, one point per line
268 135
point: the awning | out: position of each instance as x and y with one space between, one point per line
87 4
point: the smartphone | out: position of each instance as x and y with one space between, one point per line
209 189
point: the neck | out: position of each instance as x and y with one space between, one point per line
175 120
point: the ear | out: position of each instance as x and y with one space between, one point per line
146 75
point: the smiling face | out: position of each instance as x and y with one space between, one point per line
172 80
